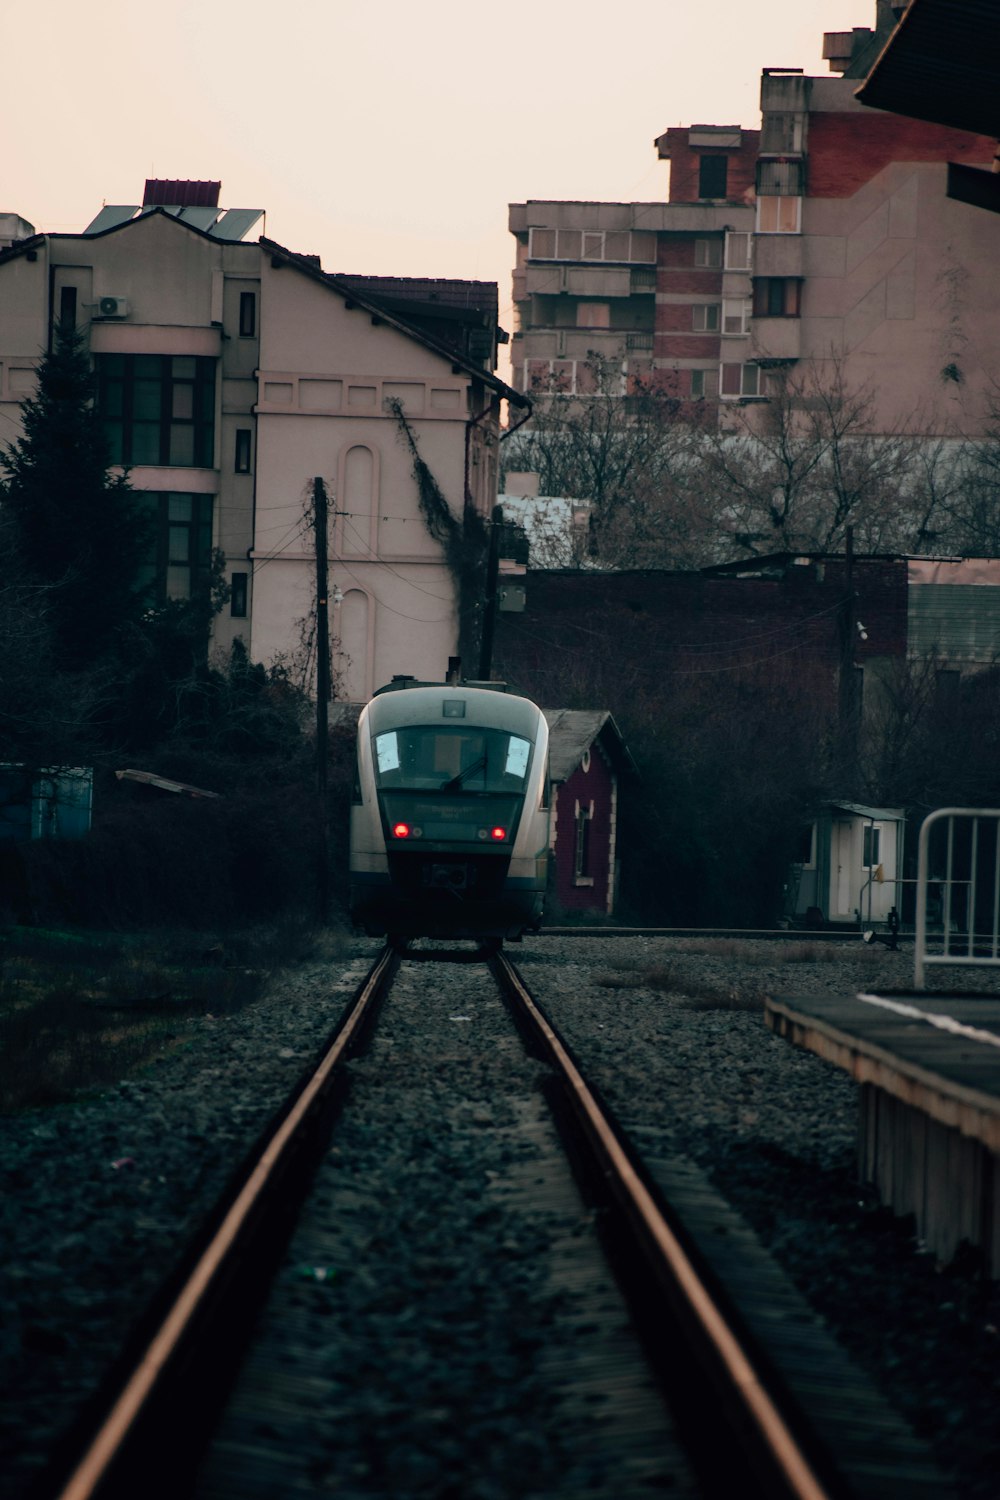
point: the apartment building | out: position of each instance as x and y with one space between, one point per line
826 235
231 373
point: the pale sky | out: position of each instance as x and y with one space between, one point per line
387 138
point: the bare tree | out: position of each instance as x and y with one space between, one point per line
795 471
620 446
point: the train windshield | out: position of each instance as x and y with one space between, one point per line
437 758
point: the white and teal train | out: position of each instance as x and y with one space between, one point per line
450 822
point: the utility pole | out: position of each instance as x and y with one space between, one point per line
848 691
320 510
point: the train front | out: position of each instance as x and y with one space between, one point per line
455 784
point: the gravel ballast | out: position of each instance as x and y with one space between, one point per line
101 1196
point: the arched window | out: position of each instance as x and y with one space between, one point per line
352 653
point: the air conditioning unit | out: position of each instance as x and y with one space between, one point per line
112 307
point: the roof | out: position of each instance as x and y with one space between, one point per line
940 64
476 296
873 814
572 731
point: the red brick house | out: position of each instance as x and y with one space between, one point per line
586 757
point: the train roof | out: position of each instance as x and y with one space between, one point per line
432 703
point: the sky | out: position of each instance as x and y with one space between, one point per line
387 138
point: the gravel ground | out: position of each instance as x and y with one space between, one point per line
99 1197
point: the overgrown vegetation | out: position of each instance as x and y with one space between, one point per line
465 543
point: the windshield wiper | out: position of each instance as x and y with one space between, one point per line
479 764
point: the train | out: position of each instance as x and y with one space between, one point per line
450 816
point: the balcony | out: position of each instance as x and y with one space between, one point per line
777 255
776 338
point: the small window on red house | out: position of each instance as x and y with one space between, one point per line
581 869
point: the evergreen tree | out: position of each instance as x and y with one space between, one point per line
81 533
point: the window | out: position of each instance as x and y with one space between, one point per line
739 380
560 377
705 317
624 246
180 544
776 296
779 215
241 461
780 179
708 253
158 408
248 315
581 863
781 132
238 591
712 172
593 315
737 250
451 759
736 315
67 308
704 383
805 853
872 855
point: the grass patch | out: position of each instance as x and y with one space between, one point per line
81 1011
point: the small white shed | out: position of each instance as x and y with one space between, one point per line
850 865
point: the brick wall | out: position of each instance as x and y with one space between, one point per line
848 150
587 637
685 159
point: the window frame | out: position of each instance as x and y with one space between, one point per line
130 386
166 524
734 237
786 209
239 595
589 246
708 311
583 844
871 845
765 300
735 310
709 253
248 315
705 378
243 451
743 394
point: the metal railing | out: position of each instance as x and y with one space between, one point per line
958 905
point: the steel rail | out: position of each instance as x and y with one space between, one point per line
779 1443
95 1465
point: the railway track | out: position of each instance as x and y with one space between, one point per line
474 1339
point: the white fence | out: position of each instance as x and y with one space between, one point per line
958 890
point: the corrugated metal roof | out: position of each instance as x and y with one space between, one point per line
940 64
167 192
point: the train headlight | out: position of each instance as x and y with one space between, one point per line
498 833
401 830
